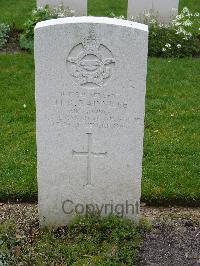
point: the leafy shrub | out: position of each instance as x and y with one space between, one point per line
4 34
40 14
179 38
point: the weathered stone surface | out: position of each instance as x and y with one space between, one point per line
165 10
90 99
79 6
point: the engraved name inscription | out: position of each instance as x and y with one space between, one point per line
92 109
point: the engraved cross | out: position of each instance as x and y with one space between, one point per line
89 155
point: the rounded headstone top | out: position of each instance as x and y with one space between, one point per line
95 20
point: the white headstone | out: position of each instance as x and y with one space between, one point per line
90 100
79 6
165 10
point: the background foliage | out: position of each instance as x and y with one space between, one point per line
4 34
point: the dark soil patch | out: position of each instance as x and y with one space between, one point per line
171 243
12 45
174 239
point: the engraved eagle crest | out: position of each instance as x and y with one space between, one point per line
90 63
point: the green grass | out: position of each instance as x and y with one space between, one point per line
17 127
106 7
193 5
86 241
16 12
172 140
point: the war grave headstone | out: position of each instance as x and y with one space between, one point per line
165 11
79 6
90 106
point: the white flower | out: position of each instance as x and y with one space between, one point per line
153 21
185 10
61 15
196 14
179 17
40 8
178 46
164 49
24 105
181 30
177 24
147 14
187 23
34 12
168 45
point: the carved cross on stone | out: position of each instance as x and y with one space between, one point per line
89 155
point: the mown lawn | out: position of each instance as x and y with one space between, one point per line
17 127
172 140
193 5
106 7
16 12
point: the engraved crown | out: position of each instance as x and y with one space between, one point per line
90 43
